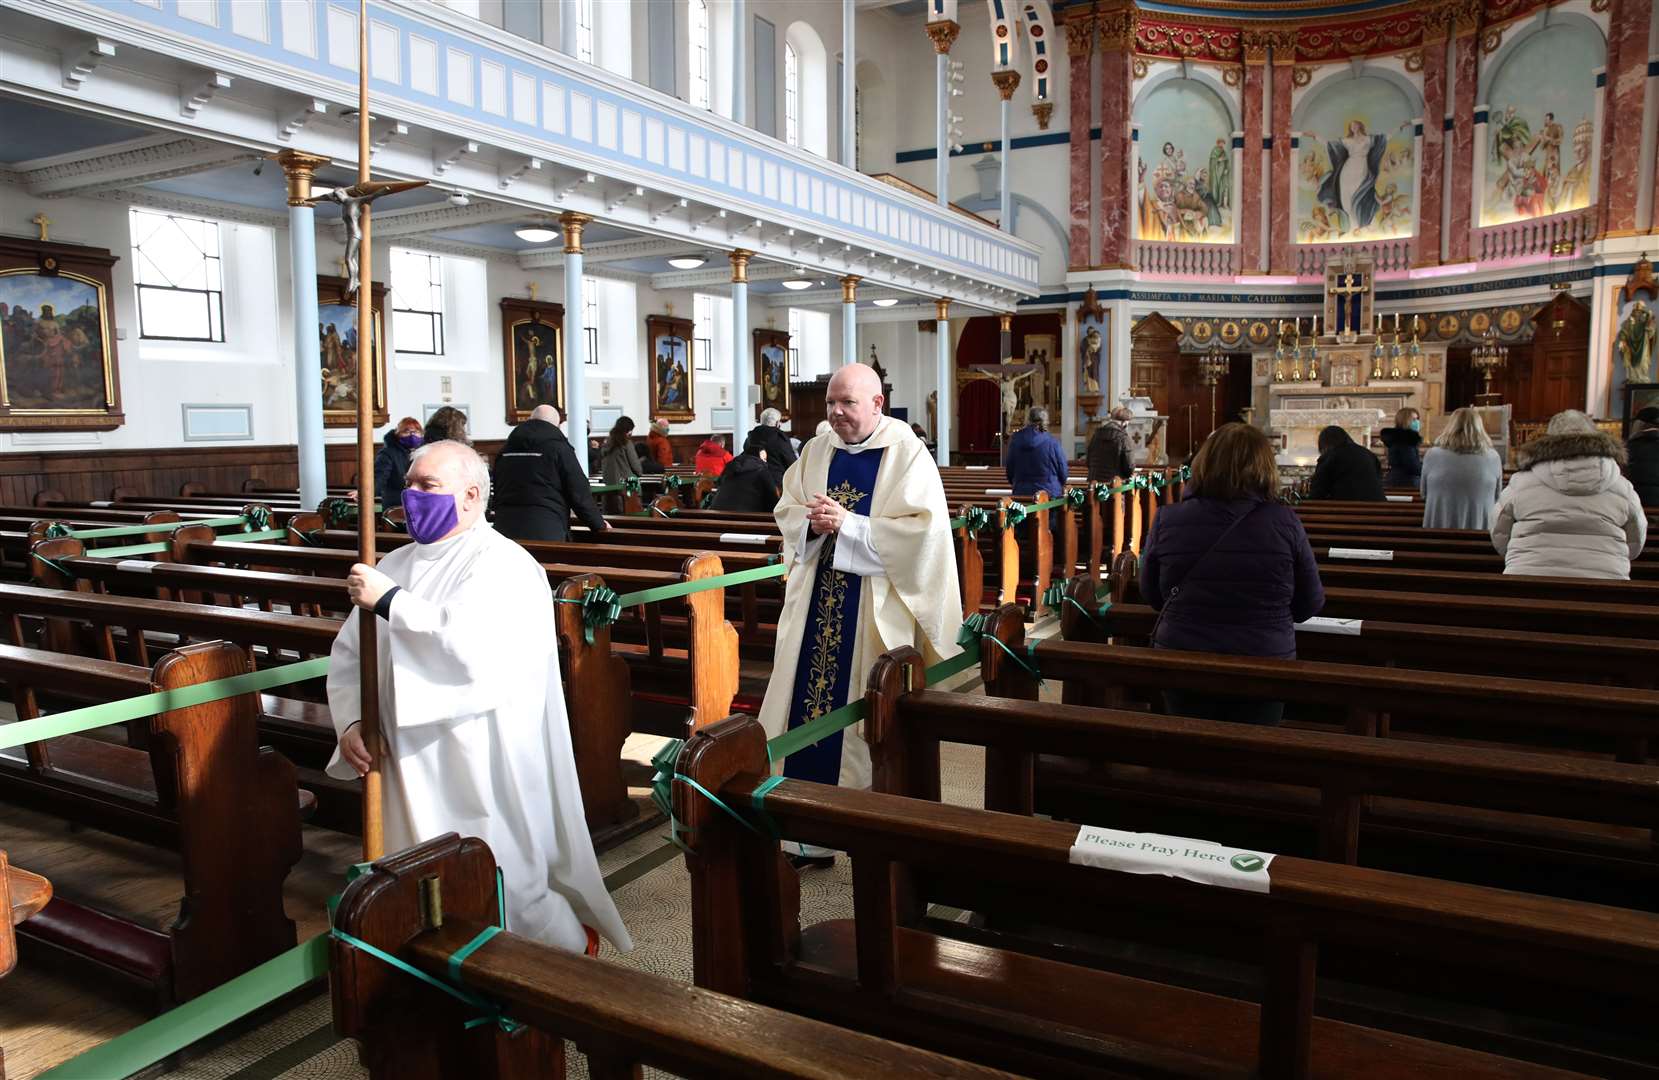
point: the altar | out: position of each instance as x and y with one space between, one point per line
1298 429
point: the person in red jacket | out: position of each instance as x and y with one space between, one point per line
712 456
657 445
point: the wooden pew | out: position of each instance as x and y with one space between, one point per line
1426 646
620 1018
22 895
995 998
1534 822
204 787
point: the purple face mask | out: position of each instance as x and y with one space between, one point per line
410 442
431 514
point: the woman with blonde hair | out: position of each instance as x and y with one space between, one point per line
1462 476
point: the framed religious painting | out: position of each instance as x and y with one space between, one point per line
57 345
337 344
668 366
533 355
772 370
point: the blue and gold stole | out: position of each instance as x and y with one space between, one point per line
824 668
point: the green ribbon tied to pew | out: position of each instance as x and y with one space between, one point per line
1076 497
257 519
976 519
673 482
1014 514
1058 595
708 500
601 606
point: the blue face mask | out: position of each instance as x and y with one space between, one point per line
1417 425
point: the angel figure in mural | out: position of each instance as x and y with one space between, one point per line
1351 185
1635 343
1220 176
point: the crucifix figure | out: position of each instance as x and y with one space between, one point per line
1349 289
41 222
352 200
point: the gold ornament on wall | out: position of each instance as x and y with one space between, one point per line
1490 41
1414 60
1043 111
1232 75
1301 76
1140 67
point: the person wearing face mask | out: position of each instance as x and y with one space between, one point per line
393 460
868 546
1405 463
474 734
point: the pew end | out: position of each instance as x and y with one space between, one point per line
1124 580
600 722
900 762
744 924
970 564
405 1028
711 642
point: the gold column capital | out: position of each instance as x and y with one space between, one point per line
849 289
740 265
299 169
1006 82
572 222
942 307
1005 321
943 35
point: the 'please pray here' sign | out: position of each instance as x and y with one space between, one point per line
1171 856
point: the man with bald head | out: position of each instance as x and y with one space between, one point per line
539 483
475 738
867 543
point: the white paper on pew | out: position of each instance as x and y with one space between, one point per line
1202 861
140 566
1320 624
743 538
101 505
1374 554
999 491
1398 498
976 468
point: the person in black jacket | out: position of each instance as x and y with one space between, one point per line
746 484
1346 470
538 483
1405 462
392 462
1643 446
770 437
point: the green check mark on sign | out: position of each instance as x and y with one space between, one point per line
1247 862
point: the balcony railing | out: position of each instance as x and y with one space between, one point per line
1185 260
1388 256
1559 234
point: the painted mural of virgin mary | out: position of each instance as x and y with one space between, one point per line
1351 185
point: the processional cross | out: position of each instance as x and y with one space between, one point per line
1348 290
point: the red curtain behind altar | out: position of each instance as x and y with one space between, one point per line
981 405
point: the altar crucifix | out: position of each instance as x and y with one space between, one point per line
1348 297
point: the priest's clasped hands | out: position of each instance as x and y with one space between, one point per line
366 585
825 515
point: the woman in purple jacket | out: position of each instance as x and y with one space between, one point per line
1229 569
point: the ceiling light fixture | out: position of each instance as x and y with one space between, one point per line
886 301
536 234
687 262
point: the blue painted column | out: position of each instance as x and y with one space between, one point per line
299 168
849 319
742 418
576 338
945 378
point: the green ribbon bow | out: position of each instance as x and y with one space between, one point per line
1054 597
1013 514
974 519
258 519
600 608
673 482
630 486
708 500
1102 492
973 628
1076 497
57 530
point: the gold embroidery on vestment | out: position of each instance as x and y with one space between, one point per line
825 669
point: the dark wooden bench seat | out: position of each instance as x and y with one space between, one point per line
203 787
997 1000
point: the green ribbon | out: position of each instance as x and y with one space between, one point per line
975 520
708 500
308 537
139 530
599 608
1055 594
132 549
57 530
492 1012
604 489
686 588
1030 649
630 486
1014 514
673 482
54 564
973 628
119 712
1052 504
258 519
1077 497
655 509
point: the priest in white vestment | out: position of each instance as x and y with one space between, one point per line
472 714
867 543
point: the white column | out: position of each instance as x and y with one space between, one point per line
576 338
1004 204
849 86
742 421
308 365
1118 363
849 319
740 74
569 23
941 137
1068 383
944 378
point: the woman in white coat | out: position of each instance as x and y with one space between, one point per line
1569 512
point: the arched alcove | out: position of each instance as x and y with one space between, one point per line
811 87
1540 94
1356 158
1185 172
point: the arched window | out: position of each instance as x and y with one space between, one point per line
791 96
699 39
806 89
